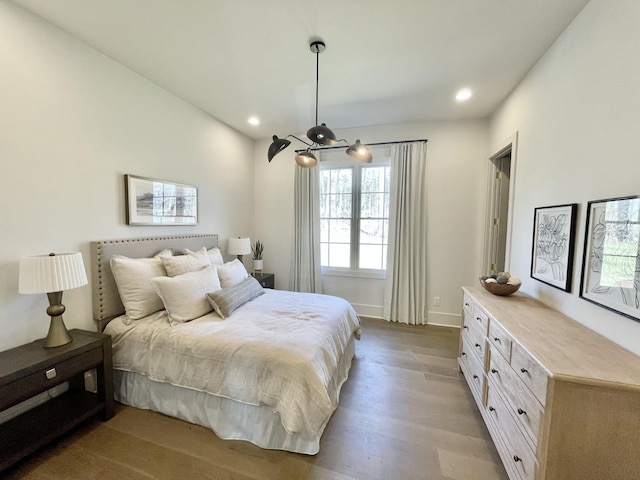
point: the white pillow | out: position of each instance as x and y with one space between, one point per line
189 262
167 252
133 279
185 296
215 255
232 273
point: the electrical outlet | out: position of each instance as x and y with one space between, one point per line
436 301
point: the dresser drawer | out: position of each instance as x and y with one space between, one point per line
481 317
468 304
474 336
514 450
500 339
522 404
473 371
533 375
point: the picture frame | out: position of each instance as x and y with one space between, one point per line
553 245
611 263
151 201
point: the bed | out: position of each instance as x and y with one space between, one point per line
260 365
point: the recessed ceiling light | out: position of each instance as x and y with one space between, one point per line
464 94
255 121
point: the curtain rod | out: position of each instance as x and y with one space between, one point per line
367 144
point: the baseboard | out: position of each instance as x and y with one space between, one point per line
374 311
444 319
453 320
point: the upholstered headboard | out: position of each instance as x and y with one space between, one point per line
106 300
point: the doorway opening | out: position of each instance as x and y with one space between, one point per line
500 190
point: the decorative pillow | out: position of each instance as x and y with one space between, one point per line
133 279
215 255
232 273
227 300
185 296
189 262
167 252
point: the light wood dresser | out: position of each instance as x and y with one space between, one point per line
559 400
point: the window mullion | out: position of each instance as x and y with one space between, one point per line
355 217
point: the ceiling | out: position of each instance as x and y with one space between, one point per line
386 62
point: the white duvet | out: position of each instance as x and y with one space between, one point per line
280 349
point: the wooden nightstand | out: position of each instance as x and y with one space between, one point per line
267 280
29 370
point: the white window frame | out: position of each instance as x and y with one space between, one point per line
338 159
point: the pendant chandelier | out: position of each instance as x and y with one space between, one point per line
320 135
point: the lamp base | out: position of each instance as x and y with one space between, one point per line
58 334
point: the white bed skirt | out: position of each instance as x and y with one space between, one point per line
229 419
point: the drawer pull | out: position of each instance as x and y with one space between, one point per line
491 409
496 339
516 458
475 376
51 373
478 345
524 370
464 353
479 319
521 412
466 327
493 370
466 304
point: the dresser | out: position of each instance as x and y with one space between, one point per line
560 401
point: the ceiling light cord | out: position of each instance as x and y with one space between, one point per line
317 80
319 135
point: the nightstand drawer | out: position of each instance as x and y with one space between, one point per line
48 377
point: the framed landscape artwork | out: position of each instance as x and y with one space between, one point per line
553 245
158 202
611 266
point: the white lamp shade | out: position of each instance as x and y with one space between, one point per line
239 246
51 273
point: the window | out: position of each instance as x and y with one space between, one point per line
354 216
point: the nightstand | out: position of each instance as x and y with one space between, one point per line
267 280
29 370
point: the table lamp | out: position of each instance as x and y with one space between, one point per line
239 246
52 274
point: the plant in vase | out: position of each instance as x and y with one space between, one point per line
256 251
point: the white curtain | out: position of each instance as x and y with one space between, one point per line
305 264
405 290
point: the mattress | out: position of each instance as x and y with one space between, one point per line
270 373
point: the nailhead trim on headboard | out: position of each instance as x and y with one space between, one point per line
106 300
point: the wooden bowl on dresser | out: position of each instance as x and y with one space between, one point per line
502 289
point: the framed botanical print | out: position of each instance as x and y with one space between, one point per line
611 265
553 245
158 202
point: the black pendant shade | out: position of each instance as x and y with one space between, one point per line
360 151
277 146
306 159
320 135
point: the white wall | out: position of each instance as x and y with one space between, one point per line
72 123
578 118
457 154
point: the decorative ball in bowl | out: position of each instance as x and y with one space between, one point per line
502 284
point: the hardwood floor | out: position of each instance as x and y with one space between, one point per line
405 413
